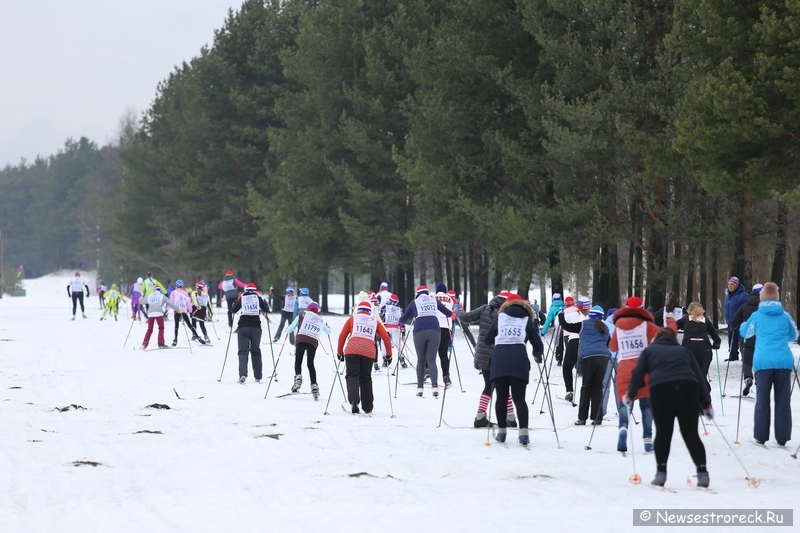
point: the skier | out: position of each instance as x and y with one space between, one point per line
555 308
426 335
612 363
249 329
696 332
136 295
634 331
201 309
390 316
593 355
749 345
384 295
356 347
101 293
112 298
308 325
286 314
676 390
445 331
510 367
230 287
149 284
773 363
181 299
735 297
75 290
574 314
485 316
154 308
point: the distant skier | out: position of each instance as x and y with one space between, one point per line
155 305
390 316
113 298
201 309
136 296
249 330
230 287
101 294
75 290
182 300
286 314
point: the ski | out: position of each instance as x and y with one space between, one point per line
742 397
291 394
662 489
347 408
569 402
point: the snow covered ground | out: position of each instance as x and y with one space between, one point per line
223 458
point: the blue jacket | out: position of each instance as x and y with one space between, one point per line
775 330
733 302
555 308
593 342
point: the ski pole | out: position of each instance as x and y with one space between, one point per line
727 370
489 417
274 366
271 349
389 386
455 358
719 382
546 356
337 370
635 477
600 410
330 394
794 455
739 413
547 393
226 355
129 333
185 330
705 430
215 329
752 482
397 369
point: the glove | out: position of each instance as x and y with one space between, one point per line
537 359
627 401
387 360
709 412
340 357
715 346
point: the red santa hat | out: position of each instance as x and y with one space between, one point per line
364 307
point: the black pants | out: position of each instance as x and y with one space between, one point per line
559 345
594 372
487 383
781 381
199 319
747 360
286 318
188 322
517 386
358 374
77 297
704 356
570 359
444 346
230 313
249 341
681 400
301 349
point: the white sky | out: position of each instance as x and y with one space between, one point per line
71 69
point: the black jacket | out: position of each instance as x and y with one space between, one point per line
698 330
485 316
744 312
250 321
665 360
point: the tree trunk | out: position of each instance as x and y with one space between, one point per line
703 274
378 270
779 260
471 272
324 302
524 286
456 273
747 237
423 269
497 281
556 281
448 269
347 294
438 270
690 271
715 284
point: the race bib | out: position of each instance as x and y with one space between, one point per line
426 306
677 313
155 299
202 300
631 342
393 314
510 330
288 304
311 326
228 285
250 305
302 302
364 327
77 285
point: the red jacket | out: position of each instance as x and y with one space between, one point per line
359 346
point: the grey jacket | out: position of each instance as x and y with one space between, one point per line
156 304
484 316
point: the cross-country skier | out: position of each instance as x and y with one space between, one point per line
286 314
249 330
390 316
634 331
485 316
593 356
136 296
149 284
230 287
383 295
445 331
696 332
201 309
749 345
113 298
75 290
155 306
510 367
356 347
181 298
555 308
735 297
309 325
676 391
573 314
101 294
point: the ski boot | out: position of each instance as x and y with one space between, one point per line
523 438
298 381
511 421
175 343
435 391
84 315
648 445
163 346
501 435
420 392
661 478
315 390
403 362
73 317
242 379
481 421
747 384
622 441
702 478
569 397
208 341
447 382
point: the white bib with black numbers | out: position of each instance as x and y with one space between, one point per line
302 302
364 327
156 298
677 314
250 305
312 325
510 330
288 303
393 314
631 342
202 300
426 305
77 285
228 285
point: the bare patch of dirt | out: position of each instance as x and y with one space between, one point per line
535 476
361 474
158 406
86 463
275 436
71 406
148 431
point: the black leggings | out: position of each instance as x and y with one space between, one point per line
681 400
594 371
300 349
185 317
444 346
77 297
517 387
570 358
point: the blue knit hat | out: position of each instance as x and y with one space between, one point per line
304 291
597 312
290 289
611 312
441 287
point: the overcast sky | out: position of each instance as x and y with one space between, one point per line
71 68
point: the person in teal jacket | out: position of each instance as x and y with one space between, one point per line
555 308
773 364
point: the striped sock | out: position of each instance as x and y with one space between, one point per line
510 408
483 404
